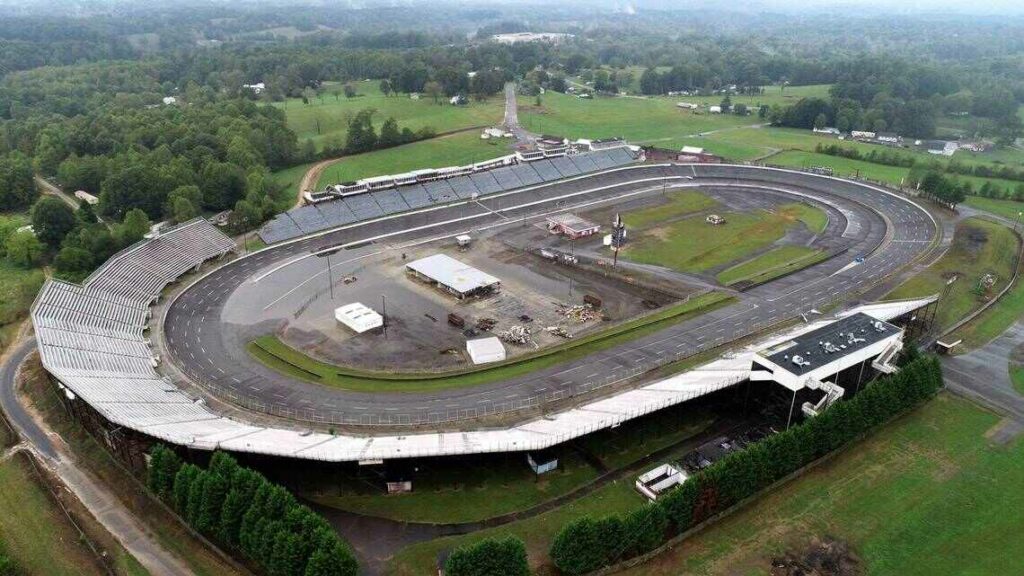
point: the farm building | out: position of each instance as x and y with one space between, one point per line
453 276
571 226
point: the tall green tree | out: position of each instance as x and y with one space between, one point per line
52 220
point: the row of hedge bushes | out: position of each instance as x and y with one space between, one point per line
587 544
241 509
490 557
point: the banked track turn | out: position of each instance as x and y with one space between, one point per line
889 230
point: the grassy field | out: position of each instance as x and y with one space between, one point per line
926 495
771 264
639 120
452 150
278 356
993 321
692 245
325 119
537 532
979 247
466 491
680 203
1005 208
97 461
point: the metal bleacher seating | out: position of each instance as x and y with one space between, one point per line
91 337
333 213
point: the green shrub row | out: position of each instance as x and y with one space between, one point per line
490 557
587 544
244 511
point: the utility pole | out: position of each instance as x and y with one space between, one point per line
384 314
330 275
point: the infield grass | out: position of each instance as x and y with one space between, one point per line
693 245
771 264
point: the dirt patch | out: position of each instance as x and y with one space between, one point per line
826 556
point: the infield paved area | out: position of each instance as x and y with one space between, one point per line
889 231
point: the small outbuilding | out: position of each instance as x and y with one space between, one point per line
542 461
485 350
571 226
358 317
655 482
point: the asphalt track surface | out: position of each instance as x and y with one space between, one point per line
887 230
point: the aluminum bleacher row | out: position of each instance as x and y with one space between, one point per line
331 214
91 336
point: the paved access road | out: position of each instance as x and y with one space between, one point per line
95 496
888 230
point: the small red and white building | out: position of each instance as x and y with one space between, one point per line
572 226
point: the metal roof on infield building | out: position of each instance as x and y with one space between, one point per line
456 275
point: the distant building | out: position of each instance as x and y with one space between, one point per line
938 147
585 95
889 138
862 135
715 109
827 130
687 105
974 146
517 37
256 88
695 154
458 100
571 226
170 100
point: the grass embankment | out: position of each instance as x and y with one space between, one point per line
925 495
692 245
325 119
93 458
276 355
452 150
476 489
1006 208
979 247
37 535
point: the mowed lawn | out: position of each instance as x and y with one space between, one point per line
639 120
693 245
452 150
325 119
979 247
536 532
1009 209
927 495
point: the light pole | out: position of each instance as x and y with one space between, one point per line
1016 221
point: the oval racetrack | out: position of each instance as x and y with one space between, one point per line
888 230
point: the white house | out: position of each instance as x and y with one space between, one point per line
256 88
715 109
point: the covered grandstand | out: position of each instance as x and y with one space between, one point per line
398 198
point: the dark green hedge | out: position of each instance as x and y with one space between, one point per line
586 544
490 557
241 509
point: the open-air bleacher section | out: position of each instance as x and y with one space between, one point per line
91 337
341 211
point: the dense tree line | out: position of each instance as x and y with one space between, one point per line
489 557
587 544
241 509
